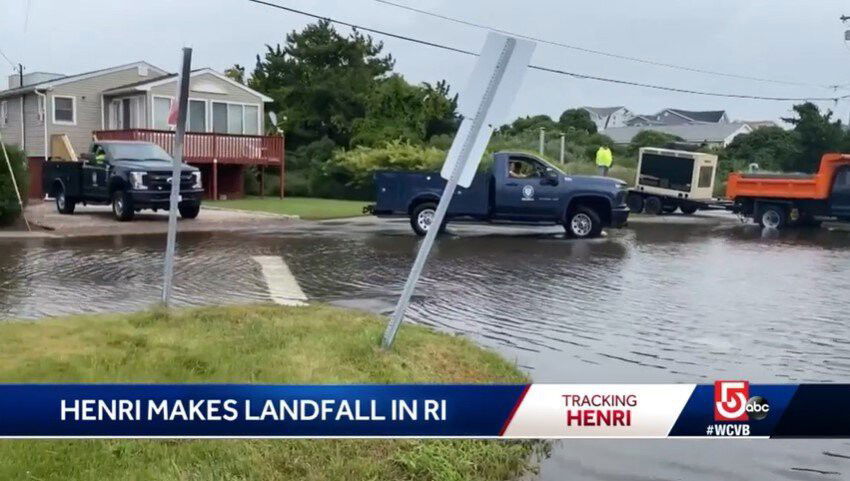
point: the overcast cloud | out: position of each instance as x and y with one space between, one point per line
782 39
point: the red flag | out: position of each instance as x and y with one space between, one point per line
173 113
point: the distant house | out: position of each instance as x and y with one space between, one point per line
607 117
699 134
760 124
131 102
679 117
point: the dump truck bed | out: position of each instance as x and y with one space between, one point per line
786 186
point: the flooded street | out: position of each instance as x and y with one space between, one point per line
659 303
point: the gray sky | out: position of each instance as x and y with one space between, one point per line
781 39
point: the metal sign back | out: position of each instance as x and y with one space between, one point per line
495 81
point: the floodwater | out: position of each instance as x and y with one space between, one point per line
658 303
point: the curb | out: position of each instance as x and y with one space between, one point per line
252 212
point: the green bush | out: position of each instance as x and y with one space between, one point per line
10 209
359 164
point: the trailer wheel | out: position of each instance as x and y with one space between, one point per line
652 205
773 217
635 202
64 204
583 223
689 209
422 217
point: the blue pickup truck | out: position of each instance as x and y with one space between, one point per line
518 189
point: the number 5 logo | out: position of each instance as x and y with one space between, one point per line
730 400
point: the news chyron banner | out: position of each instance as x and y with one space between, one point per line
720 410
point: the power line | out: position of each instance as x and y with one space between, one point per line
551 69
601 52
8 60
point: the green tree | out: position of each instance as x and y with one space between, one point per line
651 138
578 119
236 72
399 111
10 209
773 148
320 81
817 134
530 123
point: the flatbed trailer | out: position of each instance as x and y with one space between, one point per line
785 200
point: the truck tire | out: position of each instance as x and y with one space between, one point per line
422 216
652 205
189 211
773 217
122 206
583 223
635 202
64 204
689 209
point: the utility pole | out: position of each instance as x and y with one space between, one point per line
563 146
542 140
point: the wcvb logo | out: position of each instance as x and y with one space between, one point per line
730 400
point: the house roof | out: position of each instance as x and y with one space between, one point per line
603 111
692 133
74 78
145 85
713 116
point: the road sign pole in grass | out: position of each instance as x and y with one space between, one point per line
485 102
177 166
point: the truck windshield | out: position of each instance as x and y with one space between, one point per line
137 152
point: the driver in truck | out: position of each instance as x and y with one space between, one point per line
99 155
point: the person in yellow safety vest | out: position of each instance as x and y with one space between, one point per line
604 159
99 156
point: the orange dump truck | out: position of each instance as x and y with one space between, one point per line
784 200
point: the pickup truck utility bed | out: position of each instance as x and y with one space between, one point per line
518 189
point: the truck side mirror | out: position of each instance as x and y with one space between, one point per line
551 177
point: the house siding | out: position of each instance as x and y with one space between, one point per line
12 130
89 106
197 91
34 127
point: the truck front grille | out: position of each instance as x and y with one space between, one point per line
159 180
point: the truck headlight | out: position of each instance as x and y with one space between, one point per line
137 180
196 176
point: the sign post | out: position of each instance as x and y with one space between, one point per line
494 83
177 166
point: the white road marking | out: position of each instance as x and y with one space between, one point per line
283 287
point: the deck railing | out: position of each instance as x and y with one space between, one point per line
203 147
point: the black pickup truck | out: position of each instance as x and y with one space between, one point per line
129 175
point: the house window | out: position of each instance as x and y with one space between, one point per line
41 109
197 116
64 110
161 108
252 119
235 118
4 113
219 112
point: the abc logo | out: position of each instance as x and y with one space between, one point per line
757 408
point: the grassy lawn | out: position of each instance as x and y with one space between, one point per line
305 207
250 344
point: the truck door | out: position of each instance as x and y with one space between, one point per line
526 192
839 198
94 174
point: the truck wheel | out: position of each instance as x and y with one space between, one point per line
189 211
422 217
122 206
689 209
64 204
635 202
652 205
773 217
583 223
